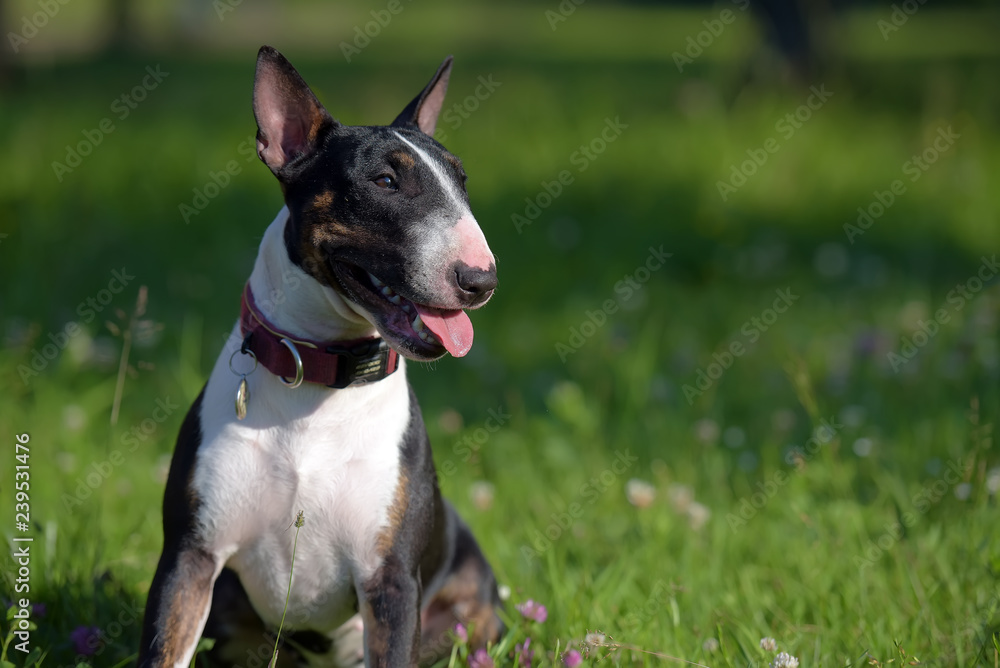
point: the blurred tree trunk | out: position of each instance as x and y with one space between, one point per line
5 50
121 40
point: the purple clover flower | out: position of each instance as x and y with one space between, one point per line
480 659
86 640
533 611
524 655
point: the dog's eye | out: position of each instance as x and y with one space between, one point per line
385 181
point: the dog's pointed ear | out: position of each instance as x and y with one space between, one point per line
424 110
290 120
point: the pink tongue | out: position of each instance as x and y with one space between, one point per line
453 328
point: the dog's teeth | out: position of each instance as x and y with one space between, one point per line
387 291
418 324
424 336
378 283
407 308
396 299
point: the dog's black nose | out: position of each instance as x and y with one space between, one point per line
476 283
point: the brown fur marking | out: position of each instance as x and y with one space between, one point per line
458 600
190 600
316 120
404 159
322 201
378 636
326 230
397 511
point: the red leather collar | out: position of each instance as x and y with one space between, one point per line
334 364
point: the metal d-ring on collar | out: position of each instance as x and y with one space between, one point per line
299 371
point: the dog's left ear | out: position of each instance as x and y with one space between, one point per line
423 111
290 120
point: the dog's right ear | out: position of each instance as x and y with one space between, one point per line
290 120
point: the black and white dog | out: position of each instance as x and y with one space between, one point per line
373 258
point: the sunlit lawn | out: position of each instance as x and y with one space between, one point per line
623 465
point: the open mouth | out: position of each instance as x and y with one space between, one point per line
420 331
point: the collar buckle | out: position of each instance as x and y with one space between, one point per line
361 363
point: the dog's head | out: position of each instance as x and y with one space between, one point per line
379 214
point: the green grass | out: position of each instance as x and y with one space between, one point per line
791 547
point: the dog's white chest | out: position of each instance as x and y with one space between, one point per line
334 455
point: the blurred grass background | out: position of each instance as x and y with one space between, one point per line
671 571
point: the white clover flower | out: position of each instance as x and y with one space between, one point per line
481 494
698 515
640 493
785 660
680 497
768 644
993 480
706 430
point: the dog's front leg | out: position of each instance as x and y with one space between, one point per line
390 605
177 607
